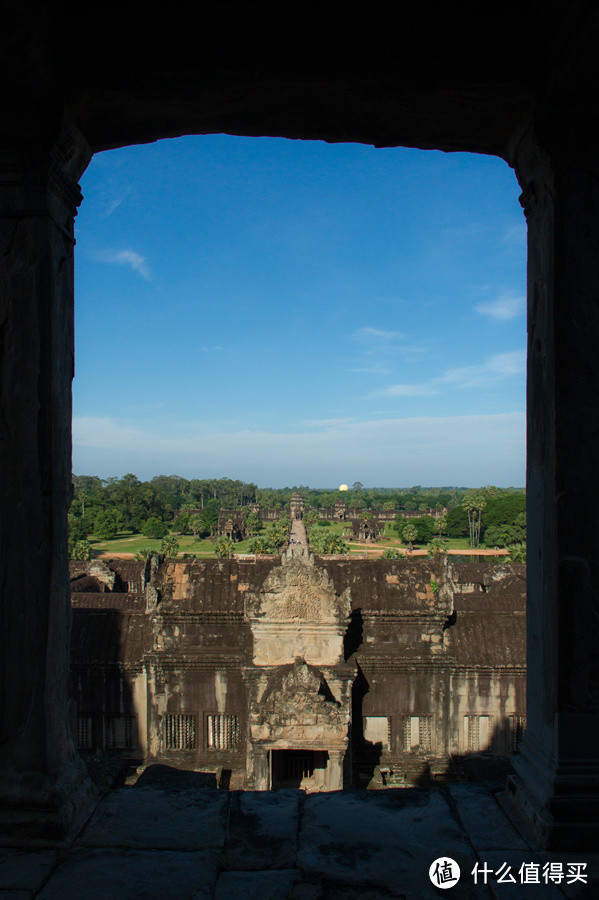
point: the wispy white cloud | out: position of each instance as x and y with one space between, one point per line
411 390
327 423
372 370
507 306
115 201
368 332
378 349
130 258
474 449
496 368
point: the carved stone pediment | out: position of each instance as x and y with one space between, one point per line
297 706
298 591
297 613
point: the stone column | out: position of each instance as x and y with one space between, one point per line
261 769
44 788
557 785
334 779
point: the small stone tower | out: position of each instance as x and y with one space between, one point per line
297 505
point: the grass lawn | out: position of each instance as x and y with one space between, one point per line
204 548
133 543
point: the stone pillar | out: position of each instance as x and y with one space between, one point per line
261 770
44 790
557 785
334 779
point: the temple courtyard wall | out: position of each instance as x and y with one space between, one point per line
314 672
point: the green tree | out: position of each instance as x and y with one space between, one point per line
80 528
424 526
80 550
457 522
106 525
223 547
253 523
284 523
197 524
409 534
261 544
391 554
275 535
437 547
517 553
181 524
324 542
169 546
440 526
474 502
154 528
504 509
310 517
144 553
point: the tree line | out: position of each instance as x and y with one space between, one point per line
169 504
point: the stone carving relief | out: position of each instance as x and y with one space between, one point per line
298 709
298 614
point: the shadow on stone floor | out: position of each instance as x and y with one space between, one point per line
166 837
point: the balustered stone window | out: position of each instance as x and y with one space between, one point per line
222 732
180 732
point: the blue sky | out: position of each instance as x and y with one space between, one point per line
293 312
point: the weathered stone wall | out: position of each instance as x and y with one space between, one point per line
394 670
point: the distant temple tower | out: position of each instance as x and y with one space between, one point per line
340 510
297 505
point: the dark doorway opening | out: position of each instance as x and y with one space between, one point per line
292 767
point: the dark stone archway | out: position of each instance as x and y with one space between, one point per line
526 90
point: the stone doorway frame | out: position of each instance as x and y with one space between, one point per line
43 787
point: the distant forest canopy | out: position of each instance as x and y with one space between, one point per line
105 506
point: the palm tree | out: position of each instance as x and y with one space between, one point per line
440 526
170 546
474 502
223 547
145 553
436 547
410 534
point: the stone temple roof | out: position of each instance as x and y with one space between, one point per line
109 636
487 628
487 640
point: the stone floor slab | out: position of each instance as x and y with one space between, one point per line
262 830
485 822
382 838
269 885
20 870
148 818
131 875
330 890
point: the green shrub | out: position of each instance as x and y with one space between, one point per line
154 528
